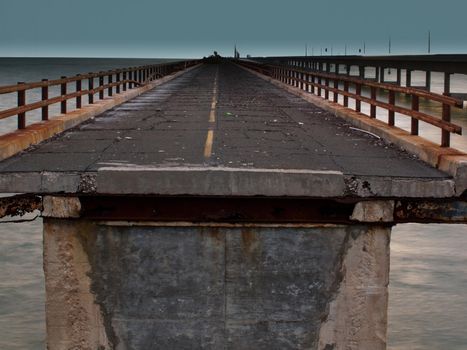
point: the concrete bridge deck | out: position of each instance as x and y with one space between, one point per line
215 117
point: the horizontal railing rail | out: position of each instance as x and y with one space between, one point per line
117 81
315 82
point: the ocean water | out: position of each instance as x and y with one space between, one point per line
428 279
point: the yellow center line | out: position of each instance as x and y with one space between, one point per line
208 144
212 120
212 113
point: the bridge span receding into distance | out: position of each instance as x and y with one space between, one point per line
225 203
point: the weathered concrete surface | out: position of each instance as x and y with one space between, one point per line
374 211
143 287
61 207
362 291
220 181
73 319
256 125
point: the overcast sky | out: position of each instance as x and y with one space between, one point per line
193 28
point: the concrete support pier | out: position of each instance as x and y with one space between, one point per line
177 285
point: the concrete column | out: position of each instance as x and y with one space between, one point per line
121 285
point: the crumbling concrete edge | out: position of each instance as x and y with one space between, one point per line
357 315
74 319
19 140
221 181
446 159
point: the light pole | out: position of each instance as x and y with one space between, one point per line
429 42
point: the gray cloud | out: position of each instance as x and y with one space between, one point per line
179 28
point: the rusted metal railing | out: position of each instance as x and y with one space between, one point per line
314 81
117 80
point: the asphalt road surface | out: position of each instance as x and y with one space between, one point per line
219 115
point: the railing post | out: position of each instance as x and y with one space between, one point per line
358 92
392 102
117 78
312 86
109 82
408 78
326 91
130 77
398 76
346 89
45 97
63 93
446 116
335 96
373 106
307 77
78 89
414 122
21 102
90 88
312 82
124 81
101 84
140 75
445 135
319 86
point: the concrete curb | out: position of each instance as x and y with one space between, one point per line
19 140
220 182
449 160
217 181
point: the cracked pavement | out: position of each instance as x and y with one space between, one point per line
257 125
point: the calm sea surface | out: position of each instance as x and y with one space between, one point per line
428 287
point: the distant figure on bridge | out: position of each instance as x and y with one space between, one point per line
214 58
